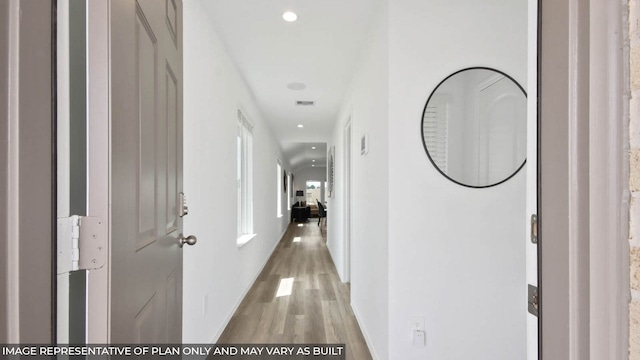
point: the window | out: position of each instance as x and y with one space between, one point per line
289 185
279 188
314 191
245 179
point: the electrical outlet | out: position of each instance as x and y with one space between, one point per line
419 338
417 323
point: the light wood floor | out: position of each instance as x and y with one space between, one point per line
316 312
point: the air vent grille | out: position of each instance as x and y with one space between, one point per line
305 103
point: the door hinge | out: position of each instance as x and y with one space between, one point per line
533 299
75 242
81 243
534 228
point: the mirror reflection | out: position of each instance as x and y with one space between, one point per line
474 127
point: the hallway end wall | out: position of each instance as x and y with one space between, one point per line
445 239
217 273
366 107
301 177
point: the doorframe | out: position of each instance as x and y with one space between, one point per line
609 184
583 171
348 166
99 162
5 314
28 191
8 319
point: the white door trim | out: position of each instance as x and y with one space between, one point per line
578 173
532 250
584 180
348 218
608 180
63 148
13 221
99 161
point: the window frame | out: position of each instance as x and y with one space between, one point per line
289 185
244 160
279 186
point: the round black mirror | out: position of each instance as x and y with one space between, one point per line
474 127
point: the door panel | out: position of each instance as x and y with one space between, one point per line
172 151
147 126
172 19
145 324
146 90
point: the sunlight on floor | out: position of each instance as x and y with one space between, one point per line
285 288
297 239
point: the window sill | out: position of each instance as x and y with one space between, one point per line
244 239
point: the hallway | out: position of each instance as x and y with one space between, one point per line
315 309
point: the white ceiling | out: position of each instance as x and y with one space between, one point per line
302 155
320 50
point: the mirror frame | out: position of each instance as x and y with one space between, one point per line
424 144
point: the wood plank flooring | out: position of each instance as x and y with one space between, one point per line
316 312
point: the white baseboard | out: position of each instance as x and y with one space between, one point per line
367 338
246 291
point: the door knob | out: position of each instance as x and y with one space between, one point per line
189 240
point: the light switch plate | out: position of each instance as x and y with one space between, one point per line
417 323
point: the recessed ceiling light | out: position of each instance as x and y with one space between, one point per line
313 160
296 86
300 125
313 148
290 16
312 165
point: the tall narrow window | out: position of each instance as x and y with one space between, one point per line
314 191
245 178
289 186
279 188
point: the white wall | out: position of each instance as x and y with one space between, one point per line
442 251
366 106
456 254
301 177
216 272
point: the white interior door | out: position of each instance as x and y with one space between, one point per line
532 171
146 107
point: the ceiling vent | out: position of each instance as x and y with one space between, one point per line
305 103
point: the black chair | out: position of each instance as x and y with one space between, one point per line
300 213
322 213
